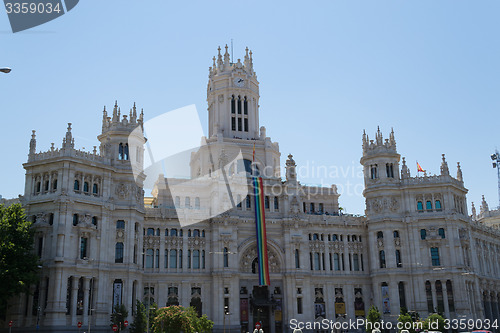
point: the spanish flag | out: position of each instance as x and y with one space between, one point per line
419 168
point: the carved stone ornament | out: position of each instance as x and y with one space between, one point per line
250 255
122 191
221 99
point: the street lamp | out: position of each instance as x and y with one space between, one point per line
496 164
5 70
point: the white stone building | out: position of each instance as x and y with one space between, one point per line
101 242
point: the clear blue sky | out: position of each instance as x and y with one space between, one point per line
328 70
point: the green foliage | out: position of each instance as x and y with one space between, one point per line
177 319
139 325
430 323
18 263
119 315
373 316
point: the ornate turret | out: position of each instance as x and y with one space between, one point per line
459 173
474 215
445 171
405 171
379 145
484 206
33 143
68 141
291 174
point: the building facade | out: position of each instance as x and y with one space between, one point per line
102 243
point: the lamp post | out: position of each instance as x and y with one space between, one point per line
496 164
5 70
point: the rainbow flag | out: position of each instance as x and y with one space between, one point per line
260 224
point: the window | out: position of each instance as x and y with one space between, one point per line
320 209
380 235
173 258
355 261
40 247
120 151
166 259
173 232
439 297
297 258
38 187
76 185
196 259
276 204
336 261
187 202
428 293
189 259
335 237
203 259
381 256
245 106
316 261
197 203
95 189
86 187
51 219
420 206
150 232
83 247
226 305
311 207
233 123
389 168
46 186
299 305
239 125
120 224
180 258
75 219
315 237
233 105
94 220
245 123
402 297
428 205
166 232
119 253
266 202
239 104
396 234
249 202
54 184
449 291
398 259
226 257
435 256
423 233
438 205
373 172
441 233
149 258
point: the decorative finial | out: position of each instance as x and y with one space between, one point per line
459 173
69 127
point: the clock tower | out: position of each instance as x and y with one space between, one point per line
233 98
233 115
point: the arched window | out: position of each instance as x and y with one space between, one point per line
428 205
423 233
119 253
54 184
125 152
355 261
173 232
438 205
373 172
428 293
226 257
239 107
196 259
95 189
380 235
75 219
173 258
335 237
389 168
46 186
86 187
449 292
315 237
120 224
336 261
255 266
149 258
76 185
196 233
120 151
180 258
150 232
398 259
381 256
354 238
441 232
245 106
316 261
157 231
420 206
233 106
166 232
396 234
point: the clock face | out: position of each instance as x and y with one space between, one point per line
239 82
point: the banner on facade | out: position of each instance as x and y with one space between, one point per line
278 314
340 308
386 305
244 310
117 293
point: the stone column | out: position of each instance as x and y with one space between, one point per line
434 296
86 286
74 299
445 300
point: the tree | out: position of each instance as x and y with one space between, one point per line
176 319
18 262
139 325
373 317
434 322
119 315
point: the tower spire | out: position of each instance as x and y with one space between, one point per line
459 173
33 143
444 167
